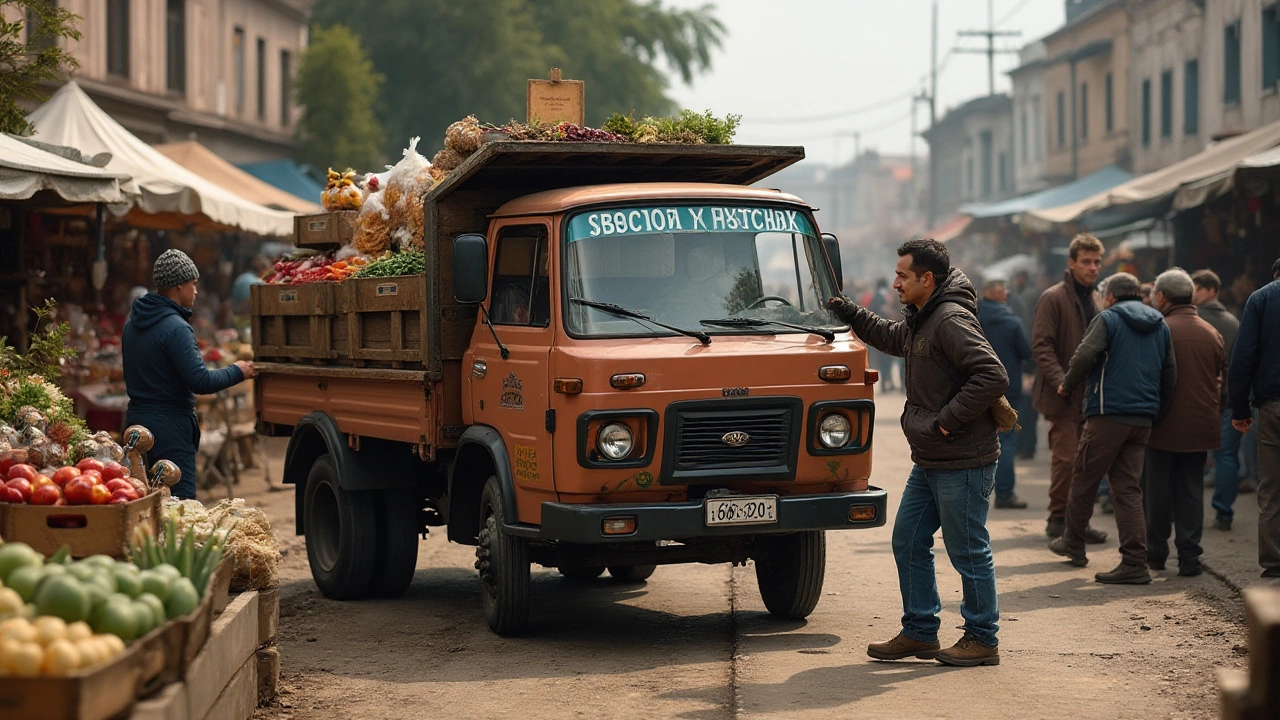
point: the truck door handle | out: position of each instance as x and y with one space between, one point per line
479 368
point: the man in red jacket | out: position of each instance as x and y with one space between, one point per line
1189 428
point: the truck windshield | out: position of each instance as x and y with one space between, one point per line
684 264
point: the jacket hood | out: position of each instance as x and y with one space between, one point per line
150 309
1140 317
997 310
955 289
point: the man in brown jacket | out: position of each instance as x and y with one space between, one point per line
1063 313
1189 428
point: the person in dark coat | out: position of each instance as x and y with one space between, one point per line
1255 371
1173 489
953 377
163 369
1127 356
1008 338
1226 459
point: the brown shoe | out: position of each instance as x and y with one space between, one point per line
968 652
903 647
1125 575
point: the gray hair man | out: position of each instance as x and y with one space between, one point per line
1128 359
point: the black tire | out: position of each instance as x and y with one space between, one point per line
340 531
397 556
790 570
503 563
580 573
631 573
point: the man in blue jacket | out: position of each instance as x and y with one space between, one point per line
163 369
1255 368
1127 354
1008 337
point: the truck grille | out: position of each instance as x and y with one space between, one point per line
755 438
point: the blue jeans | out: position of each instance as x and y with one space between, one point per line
177 436
1226 469
1004 466
955 501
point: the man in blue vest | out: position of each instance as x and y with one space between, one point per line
1127 355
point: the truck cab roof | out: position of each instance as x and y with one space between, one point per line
561 199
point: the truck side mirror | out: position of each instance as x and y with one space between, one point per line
470 268
832 246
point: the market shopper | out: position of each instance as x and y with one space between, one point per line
1190 427
952 379
1226 459
1008 338
1127 356
1255 371
1063 313
163 370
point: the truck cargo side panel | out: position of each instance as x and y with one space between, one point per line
387 409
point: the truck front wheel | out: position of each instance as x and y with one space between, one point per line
631 573
503 562
790 570
340 529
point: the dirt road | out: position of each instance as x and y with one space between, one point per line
694 642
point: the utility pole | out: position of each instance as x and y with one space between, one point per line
990 34
933 117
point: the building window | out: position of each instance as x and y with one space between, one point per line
1270 46
1004 176
1084 111
1191 98
118 37
1036 122
1166 104
1109 103
175 45
1146 113
1231 64
1062 121
984 143
286 88
1022 119
262 78
237 66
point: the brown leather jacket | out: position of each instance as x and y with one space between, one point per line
1192 414
952 374
1055 335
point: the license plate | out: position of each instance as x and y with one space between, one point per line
752 510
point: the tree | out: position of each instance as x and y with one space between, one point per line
338 89
444 59
30 57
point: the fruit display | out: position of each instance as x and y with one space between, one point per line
341 192
248 538
89 482
314 267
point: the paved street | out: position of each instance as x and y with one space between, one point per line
694 642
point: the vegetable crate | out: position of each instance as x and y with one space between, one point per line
86 529
292 322
99 693
324 230
386 320
178 641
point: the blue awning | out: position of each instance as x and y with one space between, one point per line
286 175
1087 186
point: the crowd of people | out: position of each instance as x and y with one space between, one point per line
1141 391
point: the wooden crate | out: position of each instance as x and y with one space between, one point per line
170 649
324 230
386 320
292 322
86 529
99 693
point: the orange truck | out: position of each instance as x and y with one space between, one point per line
618 357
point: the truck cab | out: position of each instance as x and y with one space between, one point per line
651 376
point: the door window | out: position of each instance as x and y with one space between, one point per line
521 290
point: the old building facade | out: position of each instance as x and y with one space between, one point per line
219 71
1029 119
973 145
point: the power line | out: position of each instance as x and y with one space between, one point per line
828 116
1014 11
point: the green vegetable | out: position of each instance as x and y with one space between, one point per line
16 555
156 605
156 584
63 596
116 616
406 262
688 127
183 599
25 580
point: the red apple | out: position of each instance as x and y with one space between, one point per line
22 485
99 495
123 496
42 479
46 495
79 491
117 483
92 476
11 495
7 462
22 470
90 464
113 470
63 474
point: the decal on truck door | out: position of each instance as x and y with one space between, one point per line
512 393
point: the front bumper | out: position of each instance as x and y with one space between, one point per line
581 524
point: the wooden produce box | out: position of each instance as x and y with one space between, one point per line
103 692
178 641
293 322
386 320
86 529
325 230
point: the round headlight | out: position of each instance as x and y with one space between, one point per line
614 441
833 431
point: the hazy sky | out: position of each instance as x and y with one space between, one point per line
807 59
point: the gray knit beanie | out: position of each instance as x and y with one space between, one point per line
172 269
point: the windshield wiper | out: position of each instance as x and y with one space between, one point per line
620 311
761 322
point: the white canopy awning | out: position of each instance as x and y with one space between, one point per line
26 170
1198 177
70 118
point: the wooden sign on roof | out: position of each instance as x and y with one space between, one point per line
555 100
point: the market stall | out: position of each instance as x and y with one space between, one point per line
202 161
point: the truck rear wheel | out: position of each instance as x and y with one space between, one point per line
790 570
580 573
503 562
397 555
631 573
340 526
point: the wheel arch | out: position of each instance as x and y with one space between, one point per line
481 452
